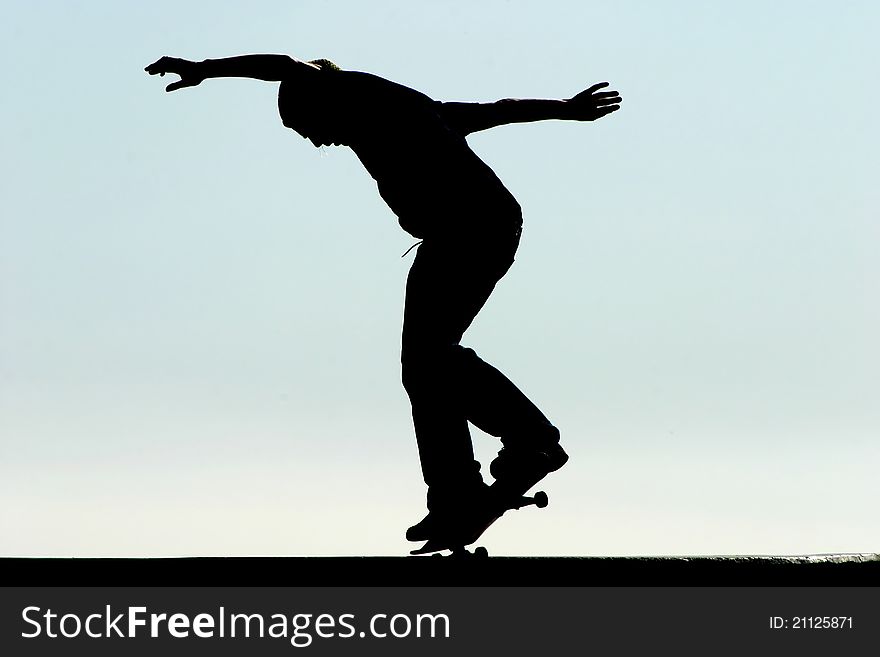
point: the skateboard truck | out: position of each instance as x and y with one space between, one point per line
539 499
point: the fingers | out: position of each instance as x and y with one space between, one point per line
157 67
594 97
180 84
164 65
601 100
599 112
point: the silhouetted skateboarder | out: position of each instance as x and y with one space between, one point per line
470 226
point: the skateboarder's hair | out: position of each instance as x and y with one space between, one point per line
325 64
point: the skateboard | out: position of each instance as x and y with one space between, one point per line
501 500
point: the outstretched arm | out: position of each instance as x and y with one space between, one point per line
588 105
259 67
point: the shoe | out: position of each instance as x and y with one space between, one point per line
421 531
528 463
448 513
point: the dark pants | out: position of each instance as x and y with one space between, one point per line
449 385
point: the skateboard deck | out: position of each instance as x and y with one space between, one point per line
507 493
502 502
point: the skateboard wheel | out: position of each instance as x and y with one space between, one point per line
481 552
541 499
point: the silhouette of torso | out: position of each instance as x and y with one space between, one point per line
424 169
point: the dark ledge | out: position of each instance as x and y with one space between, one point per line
810 570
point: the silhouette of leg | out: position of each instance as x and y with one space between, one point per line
441 302
496 406
448 384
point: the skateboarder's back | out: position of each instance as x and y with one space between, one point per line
413 146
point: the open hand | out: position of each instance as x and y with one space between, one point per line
592 104
187 70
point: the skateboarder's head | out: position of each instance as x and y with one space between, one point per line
309 104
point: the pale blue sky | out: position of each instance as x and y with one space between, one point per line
200 312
